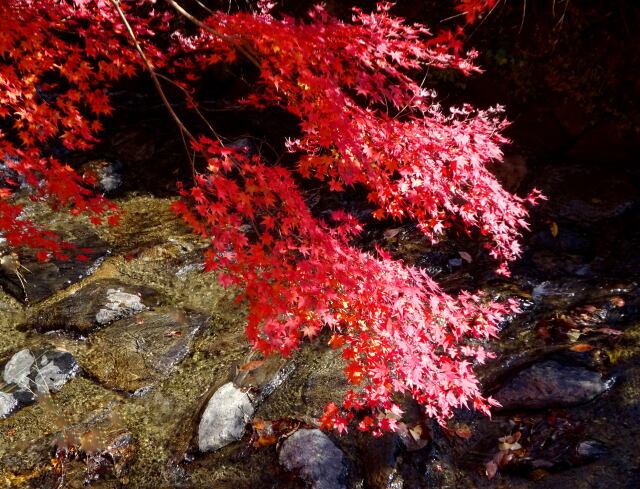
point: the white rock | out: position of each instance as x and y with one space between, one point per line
120 304
8 404
225 418
18 368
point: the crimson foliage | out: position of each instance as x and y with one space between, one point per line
363 121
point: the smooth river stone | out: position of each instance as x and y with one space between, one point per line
141 350
225 418
551 385
94 306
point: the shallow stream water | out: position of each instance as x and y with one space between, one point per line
576 284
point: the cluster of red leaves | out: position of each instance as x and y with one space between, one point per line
364 121
57 62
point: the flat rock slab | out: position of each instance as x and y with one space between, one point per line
143 349
94 306
45 279
551 385
225 418
314 456
30 373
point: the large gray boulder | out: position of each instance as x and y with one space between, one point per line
225 418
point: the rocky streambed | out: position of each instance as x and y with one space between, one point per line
130 369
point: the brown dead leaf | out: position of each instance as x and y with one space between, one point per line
510 442
248 367
553 227
582 347
267 433
265 441
391 233
617 301
503 457
416 432
465 256
491 469
463 432
538 474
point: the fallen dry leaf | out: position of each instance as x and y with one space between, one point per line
391 233
463 432
538 474
582 347
617 301
491 469
465 256
252 365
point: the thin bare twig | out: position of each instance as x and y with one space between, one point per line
524 13
204 7
219 35
193 104
154 76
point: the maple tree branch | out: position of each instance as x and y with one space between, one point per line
193 103
202 5
154 76
210 30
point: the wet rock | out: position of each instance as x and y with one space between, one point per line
94 306
551 384
30 373
511 171
106 175
53 369
586 194
8 404
313 455
435 262
551 443
44 279
225 418
42 371
590 450
141 350
379 461
18 367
